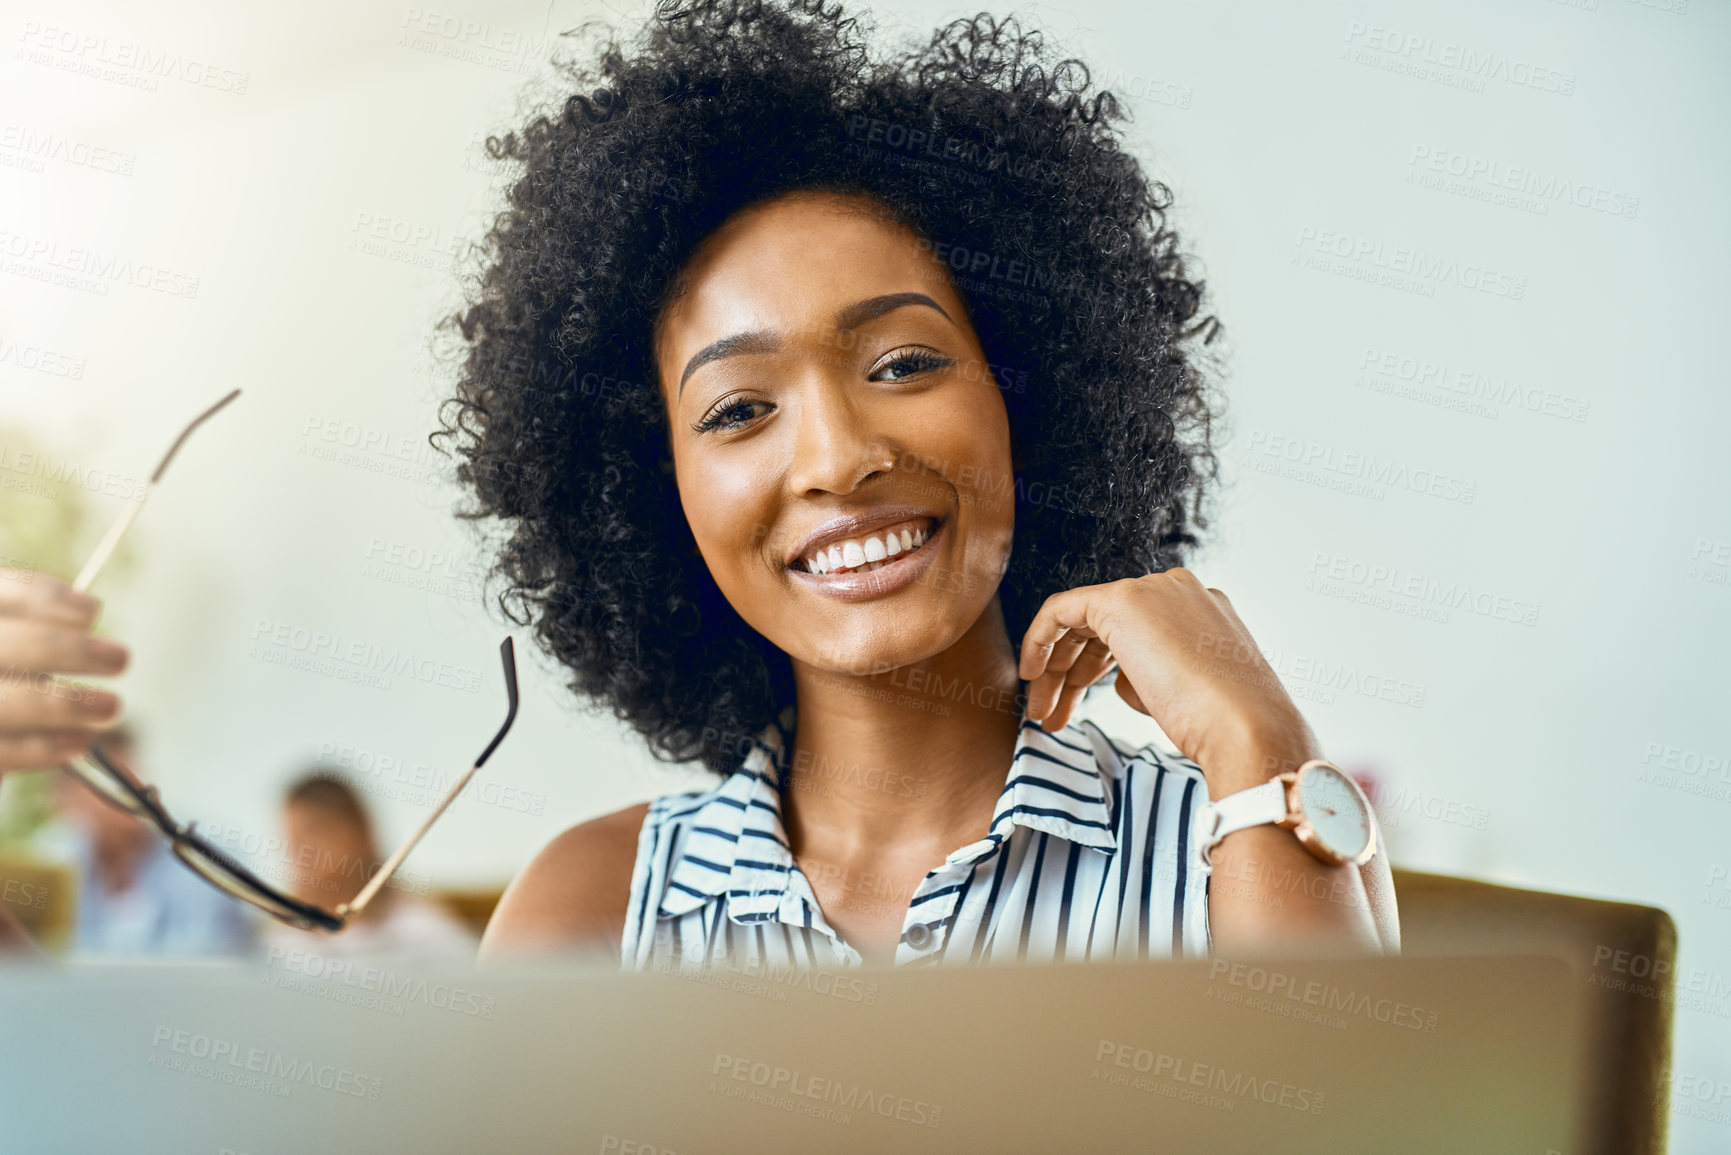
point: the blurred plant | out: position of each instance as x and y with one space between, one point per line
52 511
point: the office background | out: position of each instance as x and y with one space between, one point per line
1470 262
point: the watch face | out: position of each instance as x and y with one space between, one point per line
1332 804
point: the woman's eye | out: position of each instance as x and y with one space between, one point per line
908 363
730 415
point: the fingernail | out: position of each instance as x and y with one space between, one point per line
96 704
110 655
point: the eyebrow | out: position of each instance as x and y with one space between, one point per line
767 341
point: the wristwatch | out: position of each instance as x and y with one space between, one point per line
1319 802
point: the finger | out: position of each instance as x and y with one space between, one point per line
38 646
41 702
1128 692
1066 705
1062 613
40 750
26 593
1043 691
1089 667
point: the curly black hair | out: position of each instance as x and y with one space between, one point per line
1011 174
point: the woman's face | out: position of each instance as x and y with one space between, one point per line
841 451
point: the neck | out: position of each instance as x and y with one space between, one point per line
906 757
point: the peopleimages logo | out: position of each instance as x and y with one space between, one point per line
472 41
1308 992
90 269
1391 807
57 472
37 148
341 976
1545 188
1379 578
1230 1087
26 894
40 360
225 1061
1445 61
1361 468
1388 370
961 152
803 1094
1400 266
353 659
107 58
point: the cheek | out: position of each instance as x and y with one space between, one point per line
725 506
970 446
955 451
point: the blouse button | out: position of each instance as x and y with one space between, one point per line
919 937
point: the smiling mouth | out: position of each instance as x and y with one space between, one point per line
869 551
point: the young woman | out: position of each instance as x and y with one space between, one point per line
848 419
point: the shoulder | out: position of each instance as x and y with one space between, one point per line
574 894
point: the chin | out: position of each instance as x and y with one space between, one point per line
881 638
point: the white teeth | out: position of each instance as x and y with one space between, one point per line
863 557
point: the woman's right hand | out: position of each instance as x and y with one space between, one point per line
45 632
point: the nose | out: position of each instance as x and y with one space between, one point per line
835 447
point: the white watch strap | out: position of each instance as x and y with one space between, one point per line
1253 807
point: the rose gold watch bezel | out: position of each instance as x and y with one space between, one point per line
1307 835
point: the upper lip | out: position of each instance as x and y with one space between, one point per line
856 525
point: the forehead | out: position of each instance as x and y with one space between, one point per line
793 263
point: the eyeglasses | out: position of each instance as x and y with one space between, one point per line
119 787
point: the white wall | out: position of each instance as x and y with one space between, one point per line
1281 128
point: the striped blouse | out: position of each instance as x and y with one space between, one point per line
1092 854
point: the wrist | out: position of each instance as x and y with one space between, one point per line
1256 755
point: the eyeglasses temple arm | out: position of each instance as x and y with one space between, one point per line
390 865
118 527
109 540
121 524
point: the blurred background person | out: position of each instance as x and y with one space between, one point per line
134 897
331 852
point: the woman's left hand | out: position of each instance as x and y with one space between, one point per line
1185 659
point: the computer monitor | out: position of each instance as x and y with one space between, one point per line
312 1054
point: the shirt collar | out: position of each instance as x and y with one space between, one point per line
1056 785
736 844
